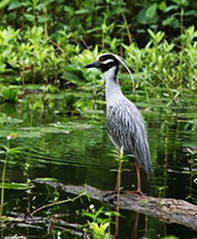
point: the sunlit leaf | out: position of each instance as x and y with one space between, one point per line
9 95
181 2
162 6
168 21
151 11
17 186
4 3
14 5
46 179
29 17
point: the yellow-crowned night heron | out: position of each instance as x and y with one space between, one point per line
125 124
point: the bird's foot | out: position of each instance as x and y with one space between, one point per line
137 192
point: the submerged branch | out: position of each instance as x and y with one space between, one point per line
58 203
168 210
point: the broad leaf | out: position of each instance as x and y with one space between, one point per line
14 5
151 11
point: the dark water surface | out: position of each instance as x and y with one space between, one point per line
76 150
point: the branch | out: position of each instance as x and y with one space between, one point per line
168 210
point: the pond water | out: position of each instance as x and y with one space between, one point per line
76 150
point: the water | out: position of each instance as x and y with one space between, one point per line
75 150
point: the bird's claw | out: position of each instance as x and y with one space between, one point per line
137 192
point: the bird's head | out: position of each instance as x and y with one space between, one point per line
108 60
104 62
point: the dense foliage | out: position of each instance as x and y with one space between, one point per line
44 42
94 20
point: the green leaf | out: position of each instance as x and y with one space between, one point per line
151 33
151 11
29 17
168 21
171 7
178 2
15 150
162 6
3 4
14 5
171 21
82 11
9 95
16 186
46 179
181 2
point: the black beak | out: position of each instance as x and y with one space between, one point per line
93 64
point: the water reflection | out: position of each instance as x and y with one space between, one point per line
66 149
135 227
134 233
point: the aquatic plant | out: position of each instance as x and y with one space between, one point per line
99 222
7 151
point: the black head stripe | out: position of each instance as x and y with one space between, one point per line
105 57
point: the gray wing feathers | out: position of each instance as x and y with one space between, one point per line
126 129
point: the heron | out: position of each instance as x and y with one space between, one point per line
125 124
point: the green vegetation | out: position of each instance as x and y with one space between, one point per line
57 108
159 69
40 47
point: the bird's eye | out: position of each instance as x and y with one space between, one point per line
101 58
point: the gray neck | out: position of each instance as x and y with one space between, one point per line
112 88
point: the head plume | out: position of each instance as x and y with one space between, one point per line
121 61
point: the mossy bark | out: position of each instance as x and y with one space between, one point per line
168 210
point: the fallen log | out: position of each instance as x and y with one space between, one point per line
169 210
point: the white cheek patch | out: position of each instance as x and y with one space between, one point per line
107 61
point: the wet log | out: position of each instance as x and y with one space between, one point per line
168 210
